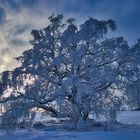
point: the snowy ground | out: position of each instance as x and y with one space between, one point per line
59 135
130 131
129 117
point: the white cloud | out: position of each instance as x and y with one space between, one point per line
15 32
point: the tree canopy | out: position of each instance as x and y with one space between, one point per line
71 71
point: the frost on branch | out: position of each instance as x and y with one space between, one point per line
70 72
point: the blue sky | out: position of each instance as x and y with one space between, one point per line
19 17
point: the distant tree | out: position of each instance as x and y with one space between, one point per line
134 83
70 72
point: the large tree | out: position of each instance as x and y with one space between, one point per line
70 72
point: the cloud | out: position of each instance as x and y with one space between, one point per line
15 32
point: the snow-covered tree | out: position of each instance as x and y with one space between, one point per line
133 89
69 72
